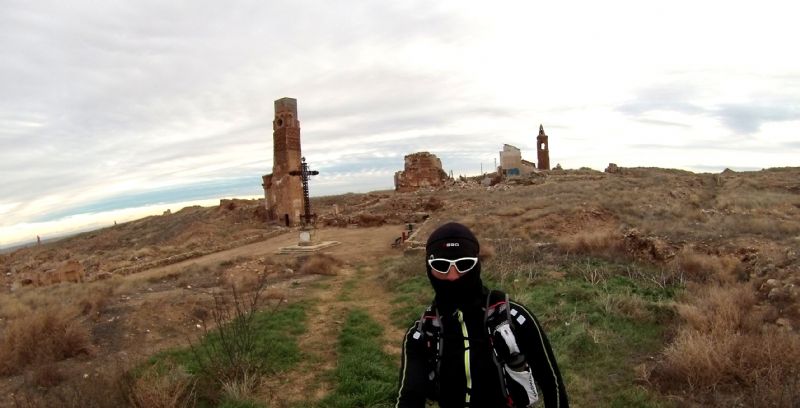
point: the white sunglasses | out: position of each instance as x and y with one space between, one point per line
442 265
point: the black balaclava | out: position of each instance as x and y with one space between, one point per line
454 241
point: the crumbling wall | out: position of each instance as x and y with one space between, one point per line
421 170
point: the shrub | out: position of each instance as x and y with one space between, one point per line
47 335
598 243
163 387
320 264
699 267
723 346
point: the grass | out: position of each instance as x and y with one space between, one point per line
365 376
722 345
273 349
45 336
599 332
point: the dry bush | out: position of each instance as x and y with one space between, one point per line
164 387
321 264
699 267
243 280
722 346
93 302
45 336
598 243
370 220
241 389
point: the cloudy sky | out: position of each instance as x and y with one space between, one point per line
111 110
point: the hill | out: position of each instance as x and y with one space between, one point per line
657 287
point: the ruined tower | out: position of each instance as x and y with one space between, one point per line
542 150
284 192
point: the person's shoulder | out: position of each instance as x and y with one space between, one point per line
521 315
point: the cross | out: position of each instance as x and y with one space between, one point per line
304 173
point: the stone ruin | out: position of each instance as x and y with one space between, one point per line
512 164
283 192
421 170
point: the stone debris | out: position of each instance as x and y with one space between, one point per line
613 169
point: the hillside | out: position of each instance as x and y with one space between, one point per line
657 287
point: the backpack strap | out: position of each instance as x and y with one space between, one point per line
497 311
430 325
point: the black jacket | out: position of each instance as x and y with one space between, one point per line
486 391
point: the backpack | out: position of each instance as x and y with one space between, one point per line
513 370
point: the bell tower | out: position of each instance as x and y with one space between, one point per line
542 150
284 192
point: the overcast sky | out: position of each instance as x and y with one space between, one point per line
111 109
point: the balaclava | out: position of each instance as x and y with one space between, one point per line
454 241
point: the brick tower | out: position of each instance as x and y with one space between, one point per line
284 192
542 150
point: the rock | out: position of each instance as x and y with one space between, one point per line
778 294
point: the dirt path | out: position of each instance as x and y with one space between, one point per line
356 286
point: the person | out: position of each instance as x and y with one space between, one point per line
473 347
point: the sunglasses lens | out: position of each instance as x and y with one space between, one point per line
465 265
440 266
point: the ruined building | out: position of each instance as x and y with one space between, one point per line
511 162
542 150
421 170
283 192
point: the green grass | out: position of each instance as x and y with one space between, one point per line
411 296
273 350
365 376
350 285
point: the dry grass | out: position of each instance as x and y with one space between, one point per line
45 336
321 264
111 388
700 267
723 346
165 387
604 243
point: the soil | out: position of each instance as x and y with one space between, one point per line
157 309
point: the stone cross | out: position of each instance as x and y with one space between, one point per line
304 174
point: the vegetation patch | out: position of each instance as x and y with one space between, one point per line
228 362
47 335
365 376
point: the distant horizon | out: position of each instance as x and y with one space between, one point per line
87 222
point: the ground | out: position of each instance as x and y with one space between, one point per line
154 309
652 264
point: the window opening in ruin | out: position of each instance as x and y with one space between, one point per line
280 122
543 146
286 219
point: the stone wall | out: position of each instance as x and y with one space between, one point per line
421 170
